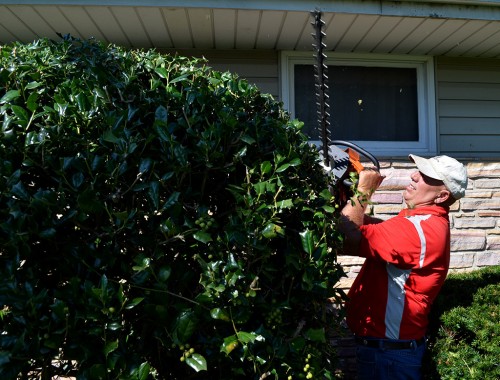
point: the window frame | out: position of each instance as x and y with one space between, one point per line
426 97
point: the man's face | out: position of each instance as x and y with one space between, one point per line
422 190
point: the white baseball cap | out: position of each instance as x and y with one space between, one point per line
447 169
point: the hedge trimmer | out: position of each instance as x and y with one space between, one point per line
341 163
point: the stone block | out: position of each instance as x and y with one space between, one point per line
461 260
468 240
473 222
353 271
487 258
479 194
486 183
345 283
386 210
406 164
383 198
396 179
493 242
486 213
455 206
350 260
480 204
483 169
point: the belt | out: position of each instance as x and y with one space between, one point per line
389 344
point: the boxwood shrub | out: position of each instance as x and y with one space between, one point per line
465 327
158 219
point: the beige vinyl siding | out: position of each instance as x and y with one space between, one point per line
468 96
259 67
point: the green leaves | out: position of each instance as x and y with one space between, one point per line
141 373
197 362
240 339
161 114
185 325
272 230
468 341
149 203
202 236
307 239
9 96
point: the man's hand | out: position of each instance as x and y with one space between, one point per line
369 181
353 212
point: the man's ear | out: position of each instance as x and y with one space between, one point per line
443 196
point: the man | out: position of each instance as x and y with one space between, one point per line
407 260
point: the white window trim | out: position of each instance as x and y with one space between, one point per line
427 144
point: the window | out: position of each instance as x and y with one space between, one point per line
385 104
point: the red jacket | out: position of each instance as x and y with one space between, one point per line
407 260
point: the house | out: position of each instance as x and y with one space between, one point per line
410 76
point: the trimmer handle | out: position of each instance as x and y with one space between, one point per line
358 149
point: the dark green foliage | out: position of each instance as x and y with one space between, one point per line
157 220
465 333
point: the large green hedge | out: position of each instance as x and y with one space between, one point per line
157 220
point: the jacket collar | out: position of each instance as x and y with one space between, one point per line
426 210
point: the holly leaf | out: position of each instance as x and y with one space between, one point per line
197 362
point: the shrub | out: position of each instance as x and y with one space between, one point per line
465 338
158 220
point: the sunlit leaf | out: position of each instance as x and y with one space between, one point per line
20 113
162 72
134 302
272 230
197 362
110 347
246 337
265 167
9 96
202 236
260 187
143 371
31 103
282 168
307 239
248 139
179 78
219 313
285 203
229 344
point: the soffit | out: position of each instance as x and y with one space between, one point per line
438 28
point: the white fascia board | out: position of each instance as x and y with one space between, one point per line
291 5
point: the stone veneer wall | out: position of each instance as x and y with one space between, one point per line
474 219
